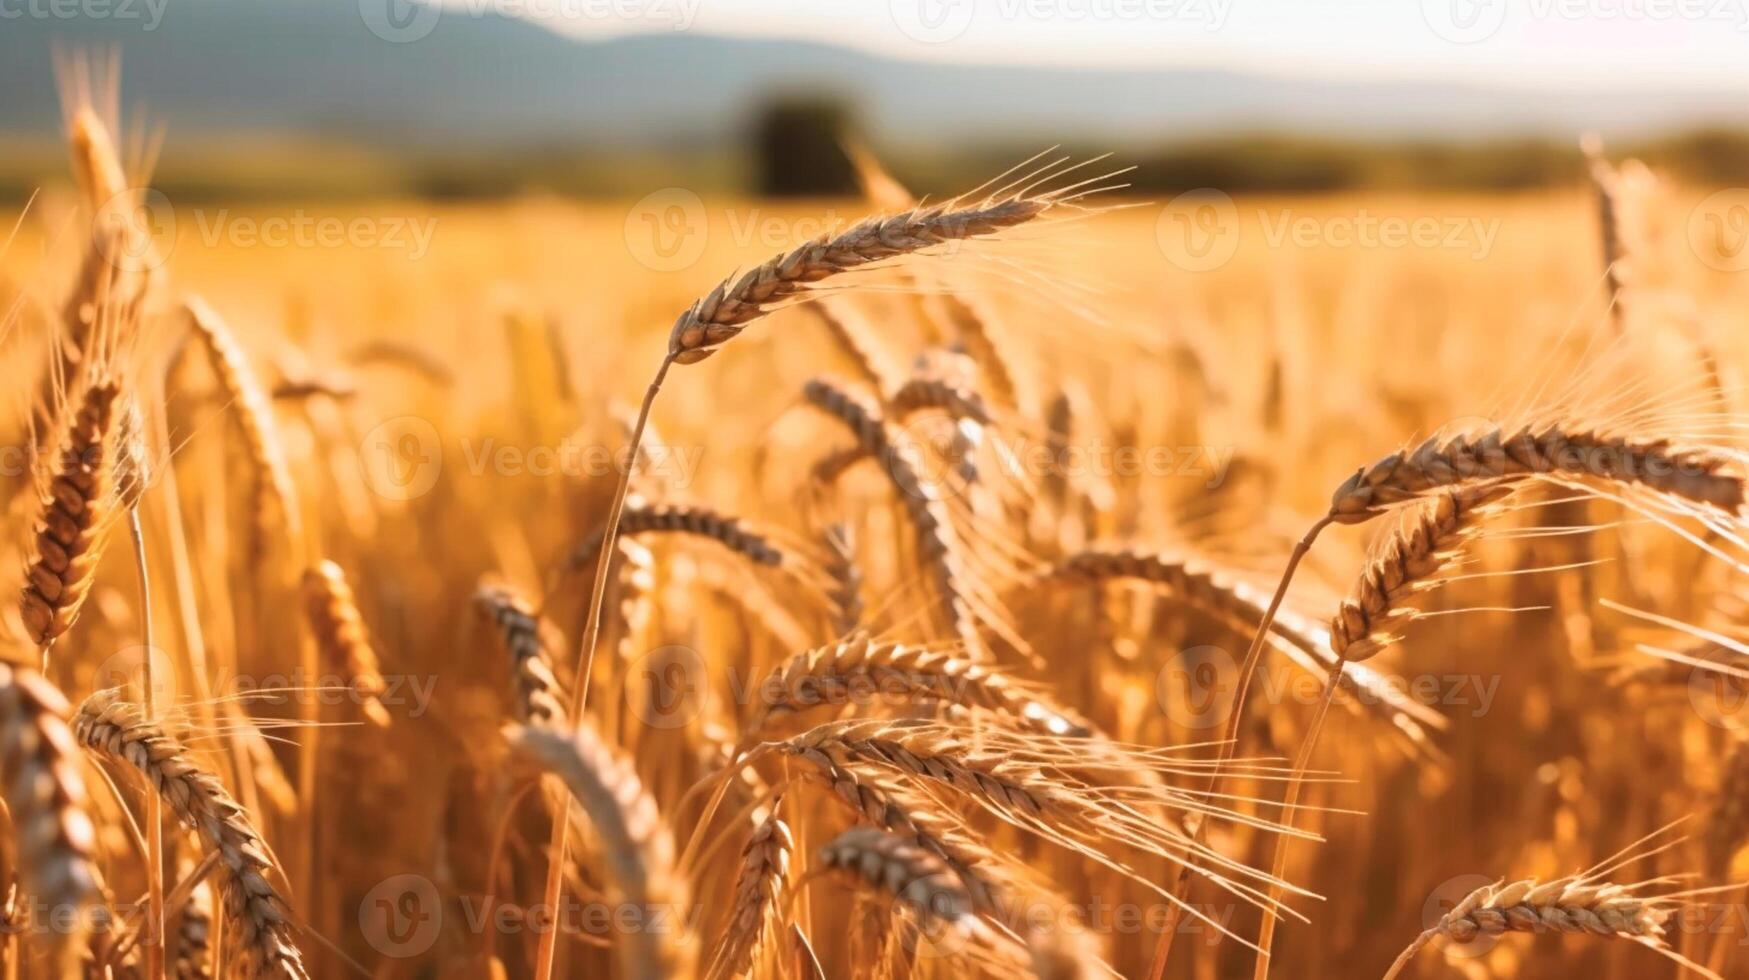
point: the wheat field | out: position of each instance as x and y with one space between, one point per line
921 642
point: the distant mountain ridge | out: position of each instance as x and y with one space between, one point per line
312 67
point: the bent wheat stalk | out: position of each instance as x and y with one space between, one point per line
536 694
1408 564
790 277
116 730
692 519
862 668
636 845
45 796
1585 904
759 889
332 610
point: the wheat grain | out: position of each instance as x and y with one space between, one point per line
736 302
536 692
691 519
937 542
70 534
845 591
273 495
1410 562
758 898
115 729
332 610
45 797
1584 904
861 669
1700 475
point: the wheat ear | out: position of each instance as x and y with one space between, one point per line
115 729
45 795
759 890
273 495
917 881
937 542
845 591
725 311
1205 587
1606 184
332 610
636 845
537 696
793 276
861 667
692 519
69 537
1409 562
870 794
1585 904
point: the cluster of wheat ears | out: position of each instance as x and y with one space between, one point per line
934 713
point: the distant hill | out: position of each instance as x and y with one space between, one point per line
312 68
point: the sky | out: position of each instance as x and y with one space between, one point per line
1569 43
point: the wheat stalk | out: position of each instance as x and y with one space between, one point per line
1584 904
636 845
691 519
45 797
937 542
332 610
70 533
845 578
116 730
1701 475
870 794
758 898
860 666
1206 587
273 495
537 695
